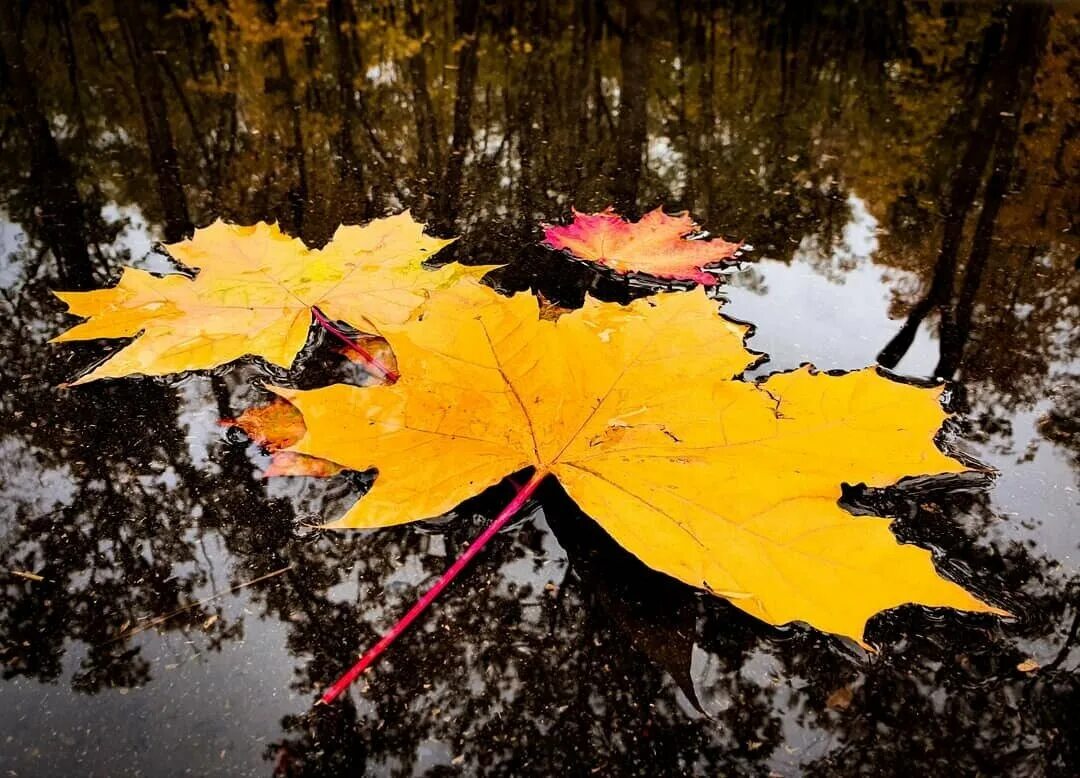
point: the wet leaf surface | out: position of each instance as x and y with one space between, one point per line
906 175
727 485
254 293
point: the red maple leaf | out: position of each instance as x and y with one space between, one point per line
657 245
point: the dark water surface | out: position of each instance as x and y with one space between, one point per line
907 175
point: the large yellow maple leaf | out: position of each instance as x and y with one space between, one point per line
725 484
254 294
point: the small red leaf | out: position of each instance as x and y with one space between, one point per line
657 245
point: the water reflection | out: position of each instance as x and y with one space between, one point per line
907 176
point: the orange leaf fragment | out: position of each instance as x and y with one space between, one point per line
840 699
291 463
276 426
657 245
374 346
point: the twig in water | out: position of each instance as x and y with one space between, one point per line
24 574
161 619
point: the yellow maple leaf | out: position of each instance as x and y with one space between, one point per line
727 485
254 292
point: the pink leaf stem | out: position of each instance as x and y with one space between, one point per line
403 623
390 375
